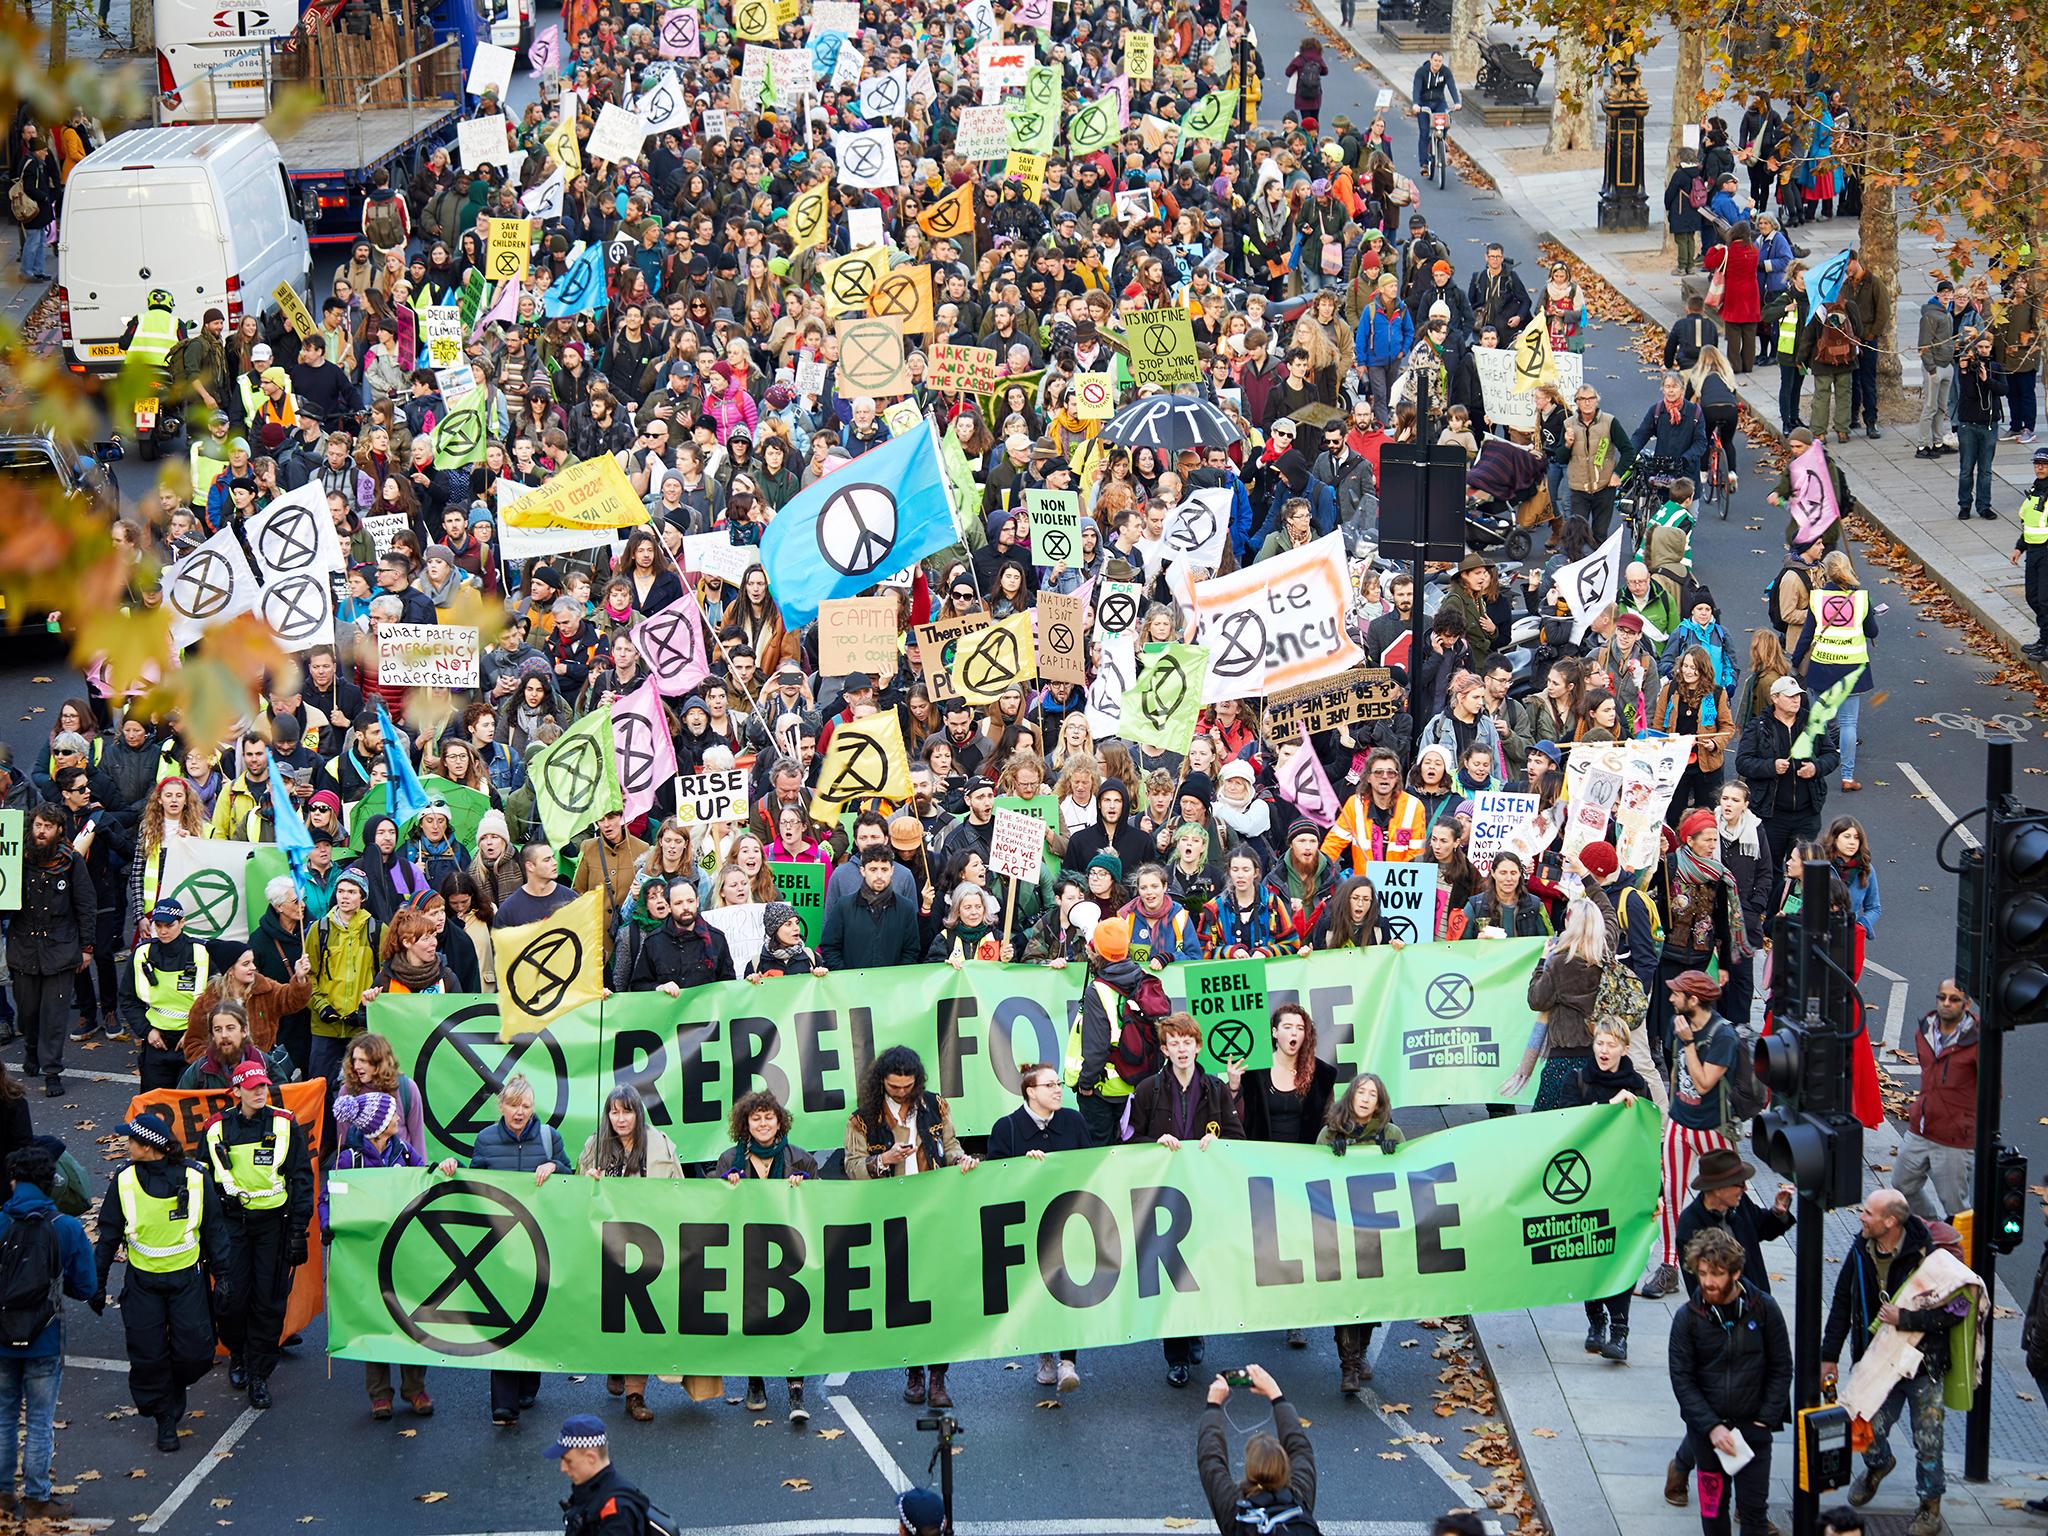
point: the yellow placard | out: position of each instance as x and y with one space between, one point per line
1094 396
562 148
1138 56
809 218
1535 363
848 282
1032 169
294 310
755 20
593 494
508 249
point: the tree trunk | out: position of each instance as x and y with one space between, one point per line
142 27
1468 30
1877 247
1574 130
60 36
1685 92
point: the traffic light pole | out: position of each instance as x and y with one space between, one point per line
1809 1249
1990 1076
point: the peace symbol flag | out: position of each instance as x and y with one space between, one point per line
1093 127
1209 118
580 289
951 216
1535 363
808 218
671 643
576 780
865 760
642 747
209 586
560 144
547 968
993 660
462 432
1160 709
858 525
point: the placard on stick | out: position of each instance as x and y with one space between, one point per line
719 794
857 634
1062 642
802 885
1368 693
427 655
936 646
1017 846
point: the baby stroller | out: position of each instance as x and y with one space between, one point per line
1506 498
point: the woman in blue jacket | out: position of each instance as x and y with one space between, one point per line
32 1372
1848 850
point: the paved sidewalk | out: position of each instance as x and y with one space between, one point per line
1912 500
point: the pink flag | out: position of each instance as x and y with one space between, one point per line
646 752
1305 786
504 307
408 336
671 642
546 52
1120 88
1813 504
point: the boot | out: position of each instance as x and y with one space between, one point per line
798 1413
637 1409
1864 1489
1675 1480
1351 1369
940 1397
238 1373
913 1384
1616 1347
1596 1333
167 1432
1926 1522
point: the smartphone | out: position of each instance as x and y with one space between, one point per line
1237 1378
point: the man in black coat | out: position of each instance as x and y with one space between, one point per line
1041 1124
1731 1371
1721 1199
684 952
877 927
49 941
1787 793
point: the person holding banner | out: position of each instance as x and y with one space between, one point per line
369 1126
761 1149
258 1158
1361 1120
165 1213
624 1146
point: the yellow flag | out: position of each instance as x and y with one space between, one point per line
547 968
1535 363
865 758
991 661
849 282
952 216
808 218
593 494
755 20
560 144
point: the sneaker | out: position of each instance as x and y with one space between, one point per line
1733 481
1048 1370
1987 514
87 1030
757 1395
505 1418
1925 452
380 1407
2025 437
798 1413
1070 1379
53 1087
1660 1282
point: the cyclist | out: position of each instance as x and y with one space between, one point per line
1674 430
1433 90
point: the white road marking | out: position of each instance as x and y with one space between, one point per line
838 1379
1426 1453
1967 837
197 1475
870 1442
1116 1526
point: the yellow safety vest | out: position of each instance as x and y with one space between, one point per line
252 1171
169 998
205 470
2034 518
162 1235
1838 640
1112 1085
156 333
1788 332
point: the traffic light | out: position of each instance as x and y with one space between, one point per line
2009 1200
2015 982
1808 1134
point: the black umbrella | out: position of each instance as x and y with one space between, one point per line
1170 423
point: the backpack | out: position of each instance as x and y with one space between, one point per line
1621 1000
381 223
1742 1096
23 206
1134 1051
31 1274
1333 257
1698 192
1290 1519
1834 347
659 1522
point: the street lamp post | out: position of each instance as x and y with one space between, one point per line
1624 204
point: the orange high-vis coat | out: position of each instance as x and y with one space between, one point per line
1406 837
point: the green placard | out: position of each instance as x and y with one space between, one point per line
1045 807
1160 709
10 861
802 885
1055 518
681 1275
1228 1001
1440 1024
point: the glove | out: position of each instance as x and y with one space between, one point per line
98 1304
296 1253
223 1295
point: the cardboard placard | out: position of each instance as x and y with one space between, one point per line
294 310
427 655
962 370
1017 846
1062 637
1368 693
1161 344
936 644
509 249
717 795
1496 817
983 134
715 554
873 358
857 634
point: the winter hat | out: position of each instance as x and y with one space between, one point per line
1600 859
1551 750
778 913
1694 823
1696 984
1197 786
355 877
1107 859
493 821
369 1113
1301 826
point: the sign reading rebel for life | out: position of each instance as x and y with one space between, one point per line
427 655
1227 1000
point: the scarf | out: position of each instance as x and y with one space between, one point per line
1744 837
1253 819
1713 872
776 1153
415 975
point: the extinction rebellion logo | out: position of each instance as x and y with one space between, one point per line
1449 1043
1570 1234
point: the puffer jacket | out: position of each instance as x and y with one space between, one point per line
344 961
1731 1365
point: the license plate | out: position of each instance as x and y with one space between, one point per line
505 33
145 414
104 349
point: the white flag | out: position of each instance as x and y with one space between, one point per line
209 586
1589 585
1113 678
1199 528
544 202
867 159
1279 623
885 95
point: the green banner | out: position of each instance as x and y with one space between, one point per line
1440 1024
801 883
1082 1250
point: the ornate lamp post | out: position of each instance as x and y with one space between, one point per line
1623 201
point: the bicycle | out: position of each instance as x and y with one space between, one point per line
1713 482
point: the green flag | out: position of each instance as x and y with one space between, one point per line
1822 711
466 808
1093 127
1034 124
1093 1248
462 433
576 780
1210 118
959 474
1160 708
471 302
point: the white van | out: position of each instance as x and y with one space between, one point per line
205 212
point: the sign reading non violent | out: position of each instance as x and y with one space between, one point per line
427 655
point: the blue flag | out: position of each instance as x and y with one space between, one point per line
292 835
859 525
581 289
1825 286
405 796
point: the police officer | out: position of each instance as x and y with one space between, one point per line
170 972
165 1209
257 1154
152 335
601 1502
2033 547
